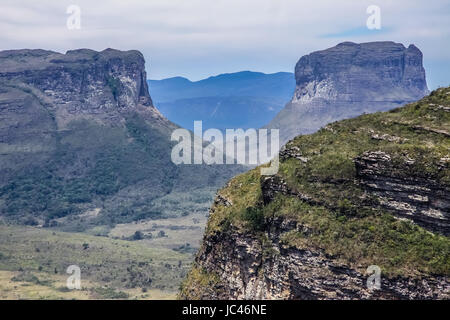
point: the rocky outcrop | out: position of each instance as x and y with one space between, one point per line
43 92
84 73
273 185
422 200
81 83
348 80
246 266
366 72
363 194
246 272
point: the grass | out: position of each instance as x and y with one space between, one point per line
120 265
244 191
54 288
178 231
198 283
398 247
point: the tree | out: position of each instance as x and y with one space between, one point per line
138 235
161 234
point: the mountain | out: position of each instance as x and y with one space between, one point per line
81 144
360 195
235 100
348 80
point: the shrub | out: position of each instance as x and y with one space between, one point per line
138 235
255 218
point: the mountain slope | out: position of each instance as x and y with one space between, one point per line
373 190
348 80
79 134
236 100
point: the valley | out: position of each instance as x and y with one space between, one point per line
33 264
227 101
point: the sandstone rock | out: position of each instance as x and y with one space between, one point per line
419 199
81 83
348 80
245 273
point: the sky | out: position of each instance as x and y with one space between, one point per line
200 38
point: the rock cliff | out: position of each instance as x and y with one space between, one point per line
348 80
364 192
411 196
81 82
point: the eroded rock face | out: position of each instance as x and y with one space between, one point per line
96 85
61 115
249 268
374 71
348 80
83 72
288 273
422 200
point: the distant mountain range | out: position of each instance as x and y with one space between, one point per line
234 100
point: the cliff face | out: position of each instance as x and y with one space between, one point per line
374 71
409 196
348 80
79 132
367 191
81 82
242 271
83 72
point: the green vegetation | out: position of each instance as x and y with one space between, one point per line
110 293
30 278
342 219
126 172
197 283
398 247
254 217
182 234
106 161
121 265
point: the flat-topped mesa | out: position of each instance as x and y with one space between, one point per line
348 80
84 80
374 71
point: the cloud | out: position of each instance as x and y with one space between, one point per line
198 38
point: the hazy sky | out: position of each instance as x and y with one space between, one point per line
200 38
